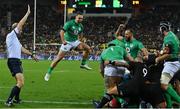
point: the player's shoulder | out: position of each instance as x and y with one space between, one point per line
12 33
81 25
70 22
169 37
136 41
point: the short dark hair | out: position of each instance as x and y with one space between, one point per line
131 30
79 13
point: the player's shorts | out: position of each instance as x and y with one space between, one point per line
69 46
15 66
171 67
175 77
110 70
152 93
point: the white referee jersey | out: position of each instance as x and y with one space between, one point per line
13 45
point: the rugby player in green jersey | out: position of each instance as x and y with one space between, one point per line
113 65
169 54
134 46
70 37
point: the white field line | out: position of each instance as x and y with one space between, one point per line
41 70
5 87
53 102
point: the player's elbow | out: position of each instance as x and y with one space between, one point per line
61 32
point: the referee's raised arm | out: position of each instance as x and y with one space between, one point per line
23 20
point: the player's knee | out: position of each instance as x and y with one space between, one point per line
113 90
165 78
20 83
164 86
162 105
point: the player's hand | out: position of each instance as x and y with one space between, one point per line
119 37
157 60
29 10
64 42
122 26
106 63
35 58
157 53
145 57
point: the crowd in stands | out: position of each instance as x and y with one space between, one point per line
48 24
97 30
146 25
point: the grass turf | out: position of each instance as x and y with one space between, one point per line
68 87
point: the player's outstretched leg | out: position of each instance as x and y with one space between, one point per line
84 61
59 57
86 52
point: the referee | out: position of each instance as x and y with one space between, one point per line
14 49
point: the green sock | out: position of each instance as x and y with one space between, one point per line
120 100
50 69
168 100
173 93
84 61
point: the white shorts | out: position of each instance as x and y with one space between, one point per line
69 46
110 70
171 67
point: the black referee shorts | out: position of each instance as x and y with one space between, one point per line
15 66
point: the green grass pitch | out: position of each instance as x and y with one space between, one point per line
68 87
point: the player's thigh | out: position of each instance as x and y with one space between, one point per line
83 46
165 78
65 48
111 81
171 68
61 53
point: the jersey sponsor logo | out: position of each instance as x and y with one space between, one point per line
76 32
128 49
131 45
79 29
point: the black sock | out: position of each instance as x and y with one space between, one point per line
18 93
106 98
14 92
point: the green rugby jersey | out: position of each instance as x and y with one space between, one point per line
72 30
118 43
133 47
113 53
171 41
